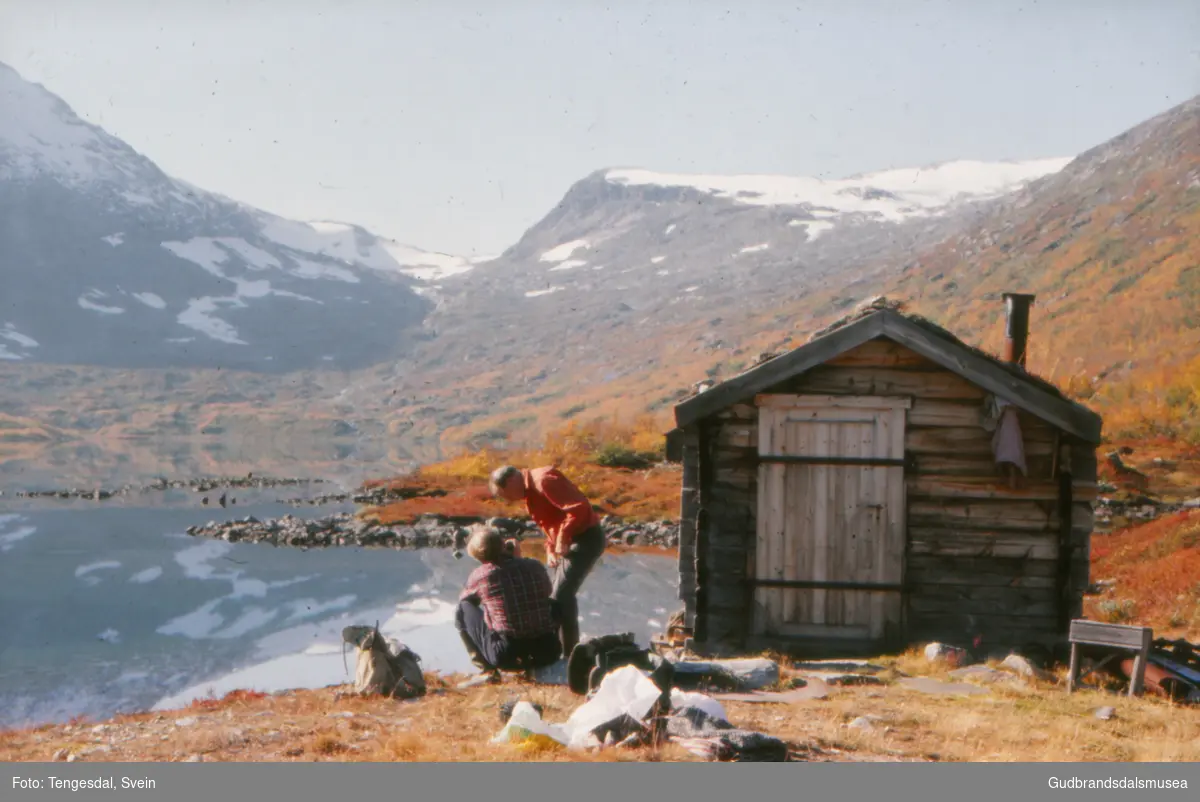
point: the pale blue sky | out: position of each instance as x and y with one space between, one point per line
454 126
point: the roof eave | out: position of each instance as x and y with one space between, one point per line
1069 416
807 356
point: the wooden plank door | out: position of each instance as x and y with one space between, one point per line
829 557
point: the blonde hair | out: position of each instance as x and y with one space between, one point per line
486 544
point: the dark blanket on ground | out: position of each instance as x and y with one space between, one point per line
715 738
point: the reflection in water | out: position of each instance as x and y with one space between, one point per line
119 610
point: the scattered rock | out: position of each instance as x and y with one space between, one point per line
61 754
187 721
1105 713
373 496
938 688
428 531
944 653
195 759
162 484
814 689
1020 665
1136 507
842 666
846 680
984 674
750 673
508 525
867 722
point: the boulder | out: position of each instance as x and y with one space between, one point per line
751 673
944 653
1019 665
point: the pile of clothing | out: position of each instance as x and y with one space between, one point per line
634 699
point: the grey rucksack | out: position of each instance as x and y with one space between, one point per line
384 666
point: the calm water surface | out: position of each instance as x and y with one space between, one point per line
107 608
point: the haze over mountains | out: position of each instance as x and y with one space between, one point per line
109 261
632 287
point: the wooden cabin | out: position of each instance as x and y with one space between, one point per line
856 495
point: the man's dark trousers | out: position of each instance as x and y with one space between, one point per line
569 574
495 650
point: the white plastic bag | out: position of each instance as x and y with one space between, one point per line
627 690
525 726
681 699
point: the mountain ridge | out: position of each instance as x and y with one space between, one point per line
107 260
618 301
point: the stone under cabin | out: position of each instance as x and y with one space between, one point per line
881 486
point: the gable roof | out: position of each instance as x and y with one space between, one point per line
1007 381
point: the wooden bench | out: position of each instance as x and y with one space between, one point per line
1117 640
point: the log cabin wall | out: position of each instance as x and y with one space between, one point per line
689 508
985 562
728 501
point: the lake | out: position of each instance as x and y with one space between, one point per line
107 608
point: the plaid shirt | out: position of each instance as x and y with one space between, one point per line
515 596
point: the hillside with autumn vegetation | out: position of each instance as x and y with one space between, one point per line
617 464
1110 245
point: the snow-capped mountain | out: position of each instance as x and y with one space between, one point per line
666 248
890 195
632 263
351 243
105 259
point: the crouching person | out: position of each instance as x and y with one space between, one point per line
505 615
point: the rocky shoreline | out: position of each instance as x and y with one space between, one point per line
428 531
249 482
372 497
1112 512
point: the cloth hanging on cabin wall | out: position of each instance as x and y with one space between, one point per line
1008 445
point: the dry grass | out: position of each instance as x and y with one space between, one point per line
316 725
1014 722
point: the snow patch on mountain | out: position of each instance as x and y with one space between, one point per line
210 253
151 300
17 340
560 253
10 333
547 291
755 248
813 228
570 264
892 195
89 301
354 245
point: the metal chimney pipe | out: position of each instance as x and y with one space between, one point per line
1016 330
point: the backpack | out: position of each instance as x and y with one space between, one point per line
593 659
384 666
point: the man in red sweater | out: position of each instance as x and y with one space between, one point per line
574 537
